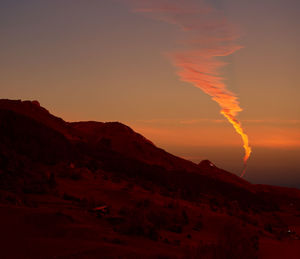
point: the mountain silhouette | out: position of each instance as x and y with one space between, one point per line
59 173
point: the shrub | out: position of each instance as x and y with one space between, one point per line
136 224
269 228
69 197
236 242
198 226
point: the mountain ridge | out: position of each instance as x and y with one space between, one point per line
112 141
117 195
74 131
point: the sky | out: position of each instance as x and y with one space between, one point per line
101 60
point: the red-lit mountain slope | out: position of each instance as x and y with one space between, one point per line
56 177
114 136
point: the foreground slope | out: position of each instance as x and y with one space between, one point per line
53 175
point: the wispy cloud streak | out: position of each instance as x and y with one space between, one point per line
207 37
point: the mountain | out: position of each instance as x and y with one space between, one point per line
36 136
103 185
125 141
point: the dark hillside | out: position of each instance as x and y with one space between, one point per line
114 194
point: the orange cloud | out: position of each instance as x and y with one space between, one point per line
208 35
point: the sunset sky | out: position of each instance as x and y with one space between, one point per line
100 60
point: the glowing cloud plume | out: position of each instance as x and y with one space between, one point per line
207 36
